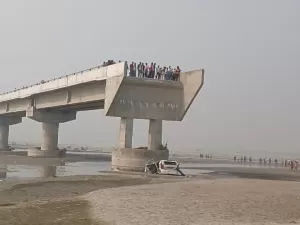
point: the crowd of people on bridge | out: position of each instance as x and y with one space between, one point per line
142 70
149 70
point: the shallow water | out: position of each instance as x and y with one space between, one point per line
23 172
17 172
229 165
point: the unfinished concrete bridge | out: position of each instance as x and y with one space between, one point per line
58 100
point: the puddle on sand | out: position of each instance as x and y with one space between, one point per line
21 172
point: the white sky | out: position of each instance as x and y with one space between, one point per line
250 50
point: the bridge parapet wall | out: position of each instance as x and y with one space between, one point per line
93 74
152 99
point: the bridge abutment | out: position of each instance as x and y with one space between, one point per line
5 122
50 128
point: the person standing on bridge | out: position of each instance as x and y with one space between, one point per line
158 72
177 74
139 69
143 70
166 73
134 69
131 70
126 68
146 69
151 70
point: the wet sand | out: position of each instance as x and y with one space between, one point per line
56 200
270 196
24 160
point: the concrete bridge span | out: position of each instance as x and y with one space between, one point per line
57 101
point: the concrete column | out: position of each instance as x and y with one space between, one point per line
5 122
50 136
4 132
50 123
155 134
126 130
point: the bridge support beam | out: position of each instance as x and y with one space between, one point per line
155 134
50 127
5 122
126 130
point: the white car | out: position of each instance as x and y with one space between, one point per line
163 167
168 167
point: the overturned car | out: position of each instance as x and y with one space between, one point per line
163 167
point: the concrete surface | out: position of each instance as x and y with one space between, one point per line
4 132
50 117
155 134
5 122
143 98
192 83
129 159
126 131
50 124
50 136
93 74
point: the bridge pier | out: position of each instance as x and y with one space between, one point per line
126 131
127 158
50 136
4 133
155 134
50 127
5 122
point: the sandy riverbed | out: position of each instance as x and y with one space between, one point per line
199 202
271 196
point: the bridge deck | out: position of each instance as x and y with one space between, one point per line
93 74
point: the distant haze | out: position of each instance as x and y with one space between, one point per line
249 49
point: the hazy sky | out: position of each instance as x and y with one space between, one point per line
249 49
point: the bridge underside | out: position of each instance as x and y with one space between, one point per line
79 107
